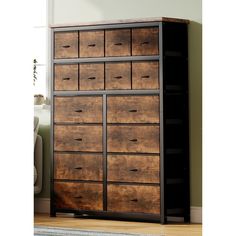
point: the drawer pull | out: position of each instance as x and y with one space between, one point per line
79 111
79 197
78 168
145 76
118 44
66 46
134 110
66 78
78 139
134 170
134 200
92 45
133 140
118 77
91 78
144 43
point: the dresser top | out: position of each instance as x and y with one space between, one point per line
137 20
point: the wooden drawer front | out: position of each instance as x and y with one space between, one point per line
118 75
143 139
78 166
131 168
131 198
145 41
66 45
91 43
78 109
133 109
66 77
145 75
78 138
117 42
78 196
91 76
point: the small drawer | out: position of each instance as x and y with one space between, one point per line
117 42
131 168
82 109
145 41
133 198
91 43
134 139
118 75
91 76
66 45
145 75
78 196
133 109
78 138
66 77
78 166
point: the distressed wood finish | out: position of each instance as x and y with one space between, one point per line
81 109
117 42
66 77
91 43
78 196
78 138
131 168
78 166
91 76
133 109
118 75
143 139
131 198
145 75
145 41
66 45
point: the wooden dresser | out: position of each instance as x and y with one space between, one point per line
119 118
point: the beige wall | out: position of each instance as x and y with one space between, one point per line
73 11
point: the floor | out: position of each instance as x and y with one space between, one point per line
64 220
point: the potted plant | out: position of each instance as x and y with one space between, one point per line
38 98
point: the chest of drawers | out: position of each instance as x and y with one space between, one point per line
120 120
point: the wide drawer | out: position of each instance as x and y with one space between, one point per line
142 139
81 109
131 168
145 41
91 43
78 196
133 198
117 42
78 166
78 138
91 76
133 109
118 75
66 77
66 45
145 75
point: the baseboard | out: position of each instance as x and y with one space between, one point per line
42 205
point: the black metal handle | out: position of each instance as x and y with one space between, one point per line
134 110
66 46
79 111
79 197
118 77
67 78
133 140
92 45
78 139
118 44
143 43
145 76
134 170
78 168
134 200
91 78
